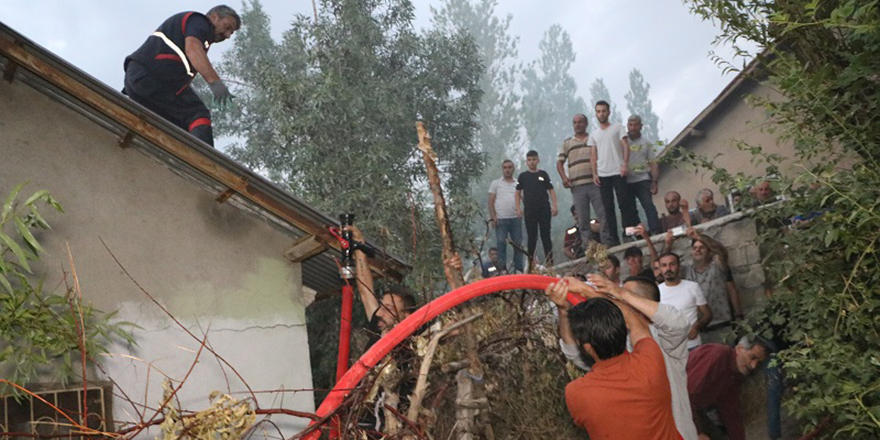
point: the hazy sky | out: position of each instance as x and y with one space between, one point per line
659 37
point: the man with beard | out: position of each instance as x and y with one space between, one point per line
609 156
158 74
580 179
677 210
710 271
685 296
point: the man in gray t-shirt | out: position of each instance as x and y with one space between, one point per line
641 182
503 216
710 271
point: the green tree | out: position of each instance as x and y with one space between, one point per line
639 103
329 113
823 56
499 115
40 329
599 92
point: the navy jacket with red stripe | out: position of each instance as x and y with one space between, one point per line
164 51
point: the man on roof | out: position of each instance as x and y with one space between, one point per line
159 73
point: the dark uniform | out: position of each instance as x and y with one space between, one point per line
158 74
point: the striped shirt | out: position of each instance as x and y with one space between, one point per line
577 153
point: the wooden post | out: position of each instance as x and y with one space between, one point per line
454 276
469 383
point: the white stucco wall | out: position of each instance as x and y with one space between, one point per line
216 268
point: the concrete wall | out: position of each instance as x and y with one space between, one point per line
736 232
731 122
216 268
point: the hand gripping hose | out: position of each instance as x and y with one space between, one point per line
419 318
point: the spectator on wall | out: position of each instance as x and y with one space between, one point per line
538 198
609 156
584 192
706 208
641 181
677 213
503 215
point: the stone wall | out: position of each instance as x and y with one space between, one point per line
736 232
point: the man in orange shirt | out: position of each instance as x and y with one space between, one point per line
625 395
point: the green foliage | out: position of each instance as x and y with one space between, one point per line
823 56
499 116
329 113
639 103
39 329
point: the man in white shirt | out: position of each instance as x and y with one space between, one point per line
503 216
685 296
609 154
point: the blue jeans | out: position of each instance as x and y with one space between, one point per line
774 395
641 191
511 227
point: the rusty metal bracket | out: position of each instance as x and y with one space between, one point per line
225 195
125 141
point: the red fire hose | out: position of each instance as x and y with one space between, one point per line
416 320
344 331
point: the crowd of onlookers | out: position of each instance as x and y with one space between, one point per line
660 346
689 310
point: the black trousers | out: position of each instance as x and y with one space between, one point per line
539 220
181 107
629 216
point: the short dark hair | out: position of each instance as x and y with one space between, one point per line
224 11
632 252
406 297
603 102
647 287
493 248
532 153
614 260
505 161
598 322
667 254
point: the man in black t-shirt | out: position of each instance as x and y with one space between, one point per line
536 192
159 73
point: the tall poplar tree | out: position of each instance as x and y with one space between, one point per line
499 114
639 103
